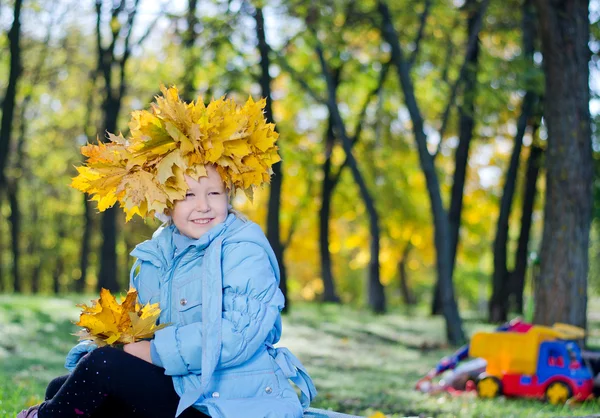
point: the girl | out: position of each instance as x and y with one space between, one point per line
213 273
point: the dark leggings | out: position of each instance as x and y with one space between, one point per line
109 383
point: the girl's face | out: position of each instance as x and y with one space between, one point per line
205 205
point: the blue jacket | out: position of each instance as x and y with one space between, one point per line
221 295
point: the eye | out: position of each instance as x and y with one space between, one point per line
189 194
214 193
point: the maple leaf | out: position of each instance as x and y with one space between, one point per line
164 168
107 322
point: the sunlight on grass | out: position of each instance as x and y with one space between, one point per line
361 363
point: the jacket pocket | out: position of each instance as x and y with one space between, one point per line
188 303
241 385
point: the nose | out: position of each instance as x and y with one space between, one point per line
202 205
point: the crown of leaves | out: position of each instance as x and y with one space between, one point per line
145 172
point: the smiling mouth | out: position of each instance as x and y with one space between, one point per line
201 221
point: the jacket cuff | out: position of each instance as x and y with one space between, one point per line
167 347
154 355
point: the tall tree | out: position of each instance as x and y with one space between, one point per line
455 333
376 295
18 165
190 56
561 290
337 131
502 278
461 154
8 103
498 306
407 296
329 292
517 278
274 212
110 61
88 220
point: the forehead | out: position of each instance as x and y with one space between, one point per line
213 179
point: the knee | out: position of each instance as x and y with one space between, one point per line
99 359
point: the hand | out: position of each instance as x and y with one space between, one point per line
141 349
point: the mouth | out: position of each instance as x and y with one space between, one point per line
201 221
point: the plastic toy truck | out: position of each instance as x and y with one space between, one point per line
543 362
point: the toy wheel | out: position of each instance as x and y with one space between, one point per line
489 387
558 393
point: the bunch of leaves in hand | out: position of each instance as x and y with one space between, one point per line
106 322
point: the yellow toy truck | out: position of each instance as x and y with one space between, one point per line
540 362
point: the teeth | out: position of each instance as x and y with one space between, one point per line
201 221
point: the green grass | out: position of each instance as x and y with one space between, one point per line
361 363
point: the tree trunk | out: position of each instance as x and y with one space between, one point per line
108 273
8 103
34 249
35 277
107 276
88 221
331 180
561 293
273 215
498 306
190 57
80 285
58 272
461 155
329 292
518 276
407 296
502 280
376 294
3 287
13 197
113 95
454 331
15 234
8 110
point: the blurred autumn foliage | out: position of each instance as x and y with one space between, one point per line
412 139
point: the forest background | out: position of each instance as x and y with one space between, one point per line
416 136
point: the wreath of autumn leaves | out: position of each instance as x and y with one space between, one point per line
145 172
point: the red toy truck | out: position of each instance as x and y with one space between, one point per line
543 362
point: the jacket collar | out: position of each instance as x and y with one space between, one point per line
167 242
182 242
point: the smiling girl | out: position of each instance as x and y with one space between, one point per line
213 273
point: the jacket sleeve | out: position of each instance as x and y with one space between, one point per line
252 303
77 352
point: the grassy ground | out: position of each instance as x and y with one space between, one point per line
360 363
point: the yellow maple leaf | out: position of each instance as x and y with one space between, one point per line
107 322
164 169
377 414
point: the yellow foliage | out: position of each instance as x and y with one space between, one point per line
107 322
146 172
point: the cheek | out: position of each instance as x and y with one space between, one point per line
224 206
180 211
